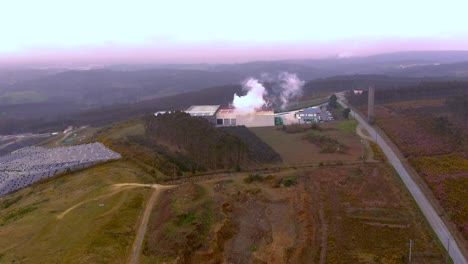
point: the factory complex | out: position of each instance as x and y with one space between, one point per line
222 117
229 116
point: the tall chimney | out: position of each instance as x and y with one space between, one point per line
370 106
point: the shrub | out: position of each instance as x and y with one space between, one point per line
288 181
325 143
254 178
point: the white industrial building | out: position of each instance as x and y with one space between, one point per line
205 111
229 117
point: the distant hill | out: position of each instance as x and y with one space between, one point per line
38 100
457 70
34 118
310 69
122 84
106 87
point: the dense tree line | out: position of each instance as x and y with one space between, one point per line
458 107
258 151
198 139
179 145
357 82
423 90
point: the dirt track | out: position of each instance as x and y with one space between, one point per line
366 139
137 244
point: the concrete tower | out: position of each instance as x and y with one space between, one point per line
370 106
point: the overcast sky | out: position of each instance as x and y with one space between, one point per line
101 31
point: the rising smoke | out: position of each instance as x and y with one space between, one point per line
291 87
253 100
288 86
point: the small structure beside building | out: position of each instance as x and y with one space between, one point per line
68 129
311 114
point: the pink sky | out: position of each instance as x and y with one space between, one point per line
220 52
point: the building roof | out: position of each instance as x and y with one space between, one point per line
233 111
226 110
202 110
311 110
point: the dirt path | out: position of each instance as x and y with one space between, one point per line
138 243
60 216
324 234
366 139
116 188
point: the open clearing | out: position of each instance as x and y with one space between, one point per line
293 149
342 214
77 218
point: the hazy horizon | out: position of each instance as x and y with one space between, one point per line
53 32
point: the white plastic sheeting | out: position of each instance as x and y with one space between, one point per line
28 165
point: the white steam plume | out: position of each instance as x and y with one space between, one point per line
288 87
291 86
253 100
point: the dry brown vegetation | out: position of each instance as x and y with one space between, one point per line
433 136
344 214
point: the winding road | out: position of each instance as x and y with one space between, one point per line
429 212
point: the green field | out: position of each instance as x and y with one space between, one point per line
76 218
293 149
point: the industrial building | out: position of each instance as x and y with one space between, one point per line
229 117
205 111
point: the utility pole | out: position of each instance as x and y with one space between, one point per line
410 246
362 150
370 105
447 257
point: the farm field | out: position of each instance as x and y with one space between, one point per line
343 214
294 149
75 218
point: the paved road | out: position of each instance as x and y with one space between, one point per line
431 215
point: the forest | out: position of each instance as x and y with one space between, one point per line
421 91
178 144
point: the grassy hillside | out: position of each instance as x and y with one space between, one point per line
76 218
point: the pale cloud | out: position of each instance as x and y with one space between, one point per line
225 30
